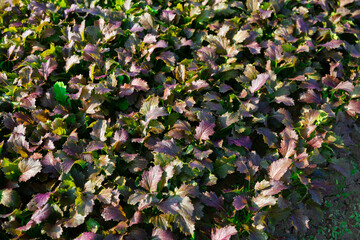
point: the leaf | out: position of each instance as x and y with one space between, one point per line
183 209
151 178
254 48
278 168
204 130
261 201
61 93
87 236
75 220
333 44
239 202
353 107
168 57
288 101
38 201
47 68
153 113
276 187
29 168
71 61
139 84
168 147
113 213
300 221
243 141
241 36
302 26
161 234
9 198
347 86
53 230
212 200
258 82
224 233
288 142
41 214
310 97
92 54
99 129
270 138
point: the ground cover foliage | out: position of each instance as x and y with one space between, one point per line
173 119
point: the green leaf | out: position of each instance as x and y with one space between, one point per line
92 225
123 104
60 94
224 166
48 52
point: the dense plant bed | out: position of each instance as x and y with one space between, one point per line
173 119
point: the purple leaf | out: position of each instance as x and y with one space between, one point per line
224 233
212 200
87 236
168 57
244 141
75 220
353 107
343 3
288 142
135 162
95 145
139 84
126 90
113 213
199 84
330 81
168 15
38 201
261 201
92 54
270 138
274 52
41 214
302 26
168 147
288 101
276 187
239 202
183 209
153 113
258 82
310 97
300 221
29 168
54 231
120 137
151 178
98 132
74 59
278 168
204 130
161 234
332 44
347 86
254 48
